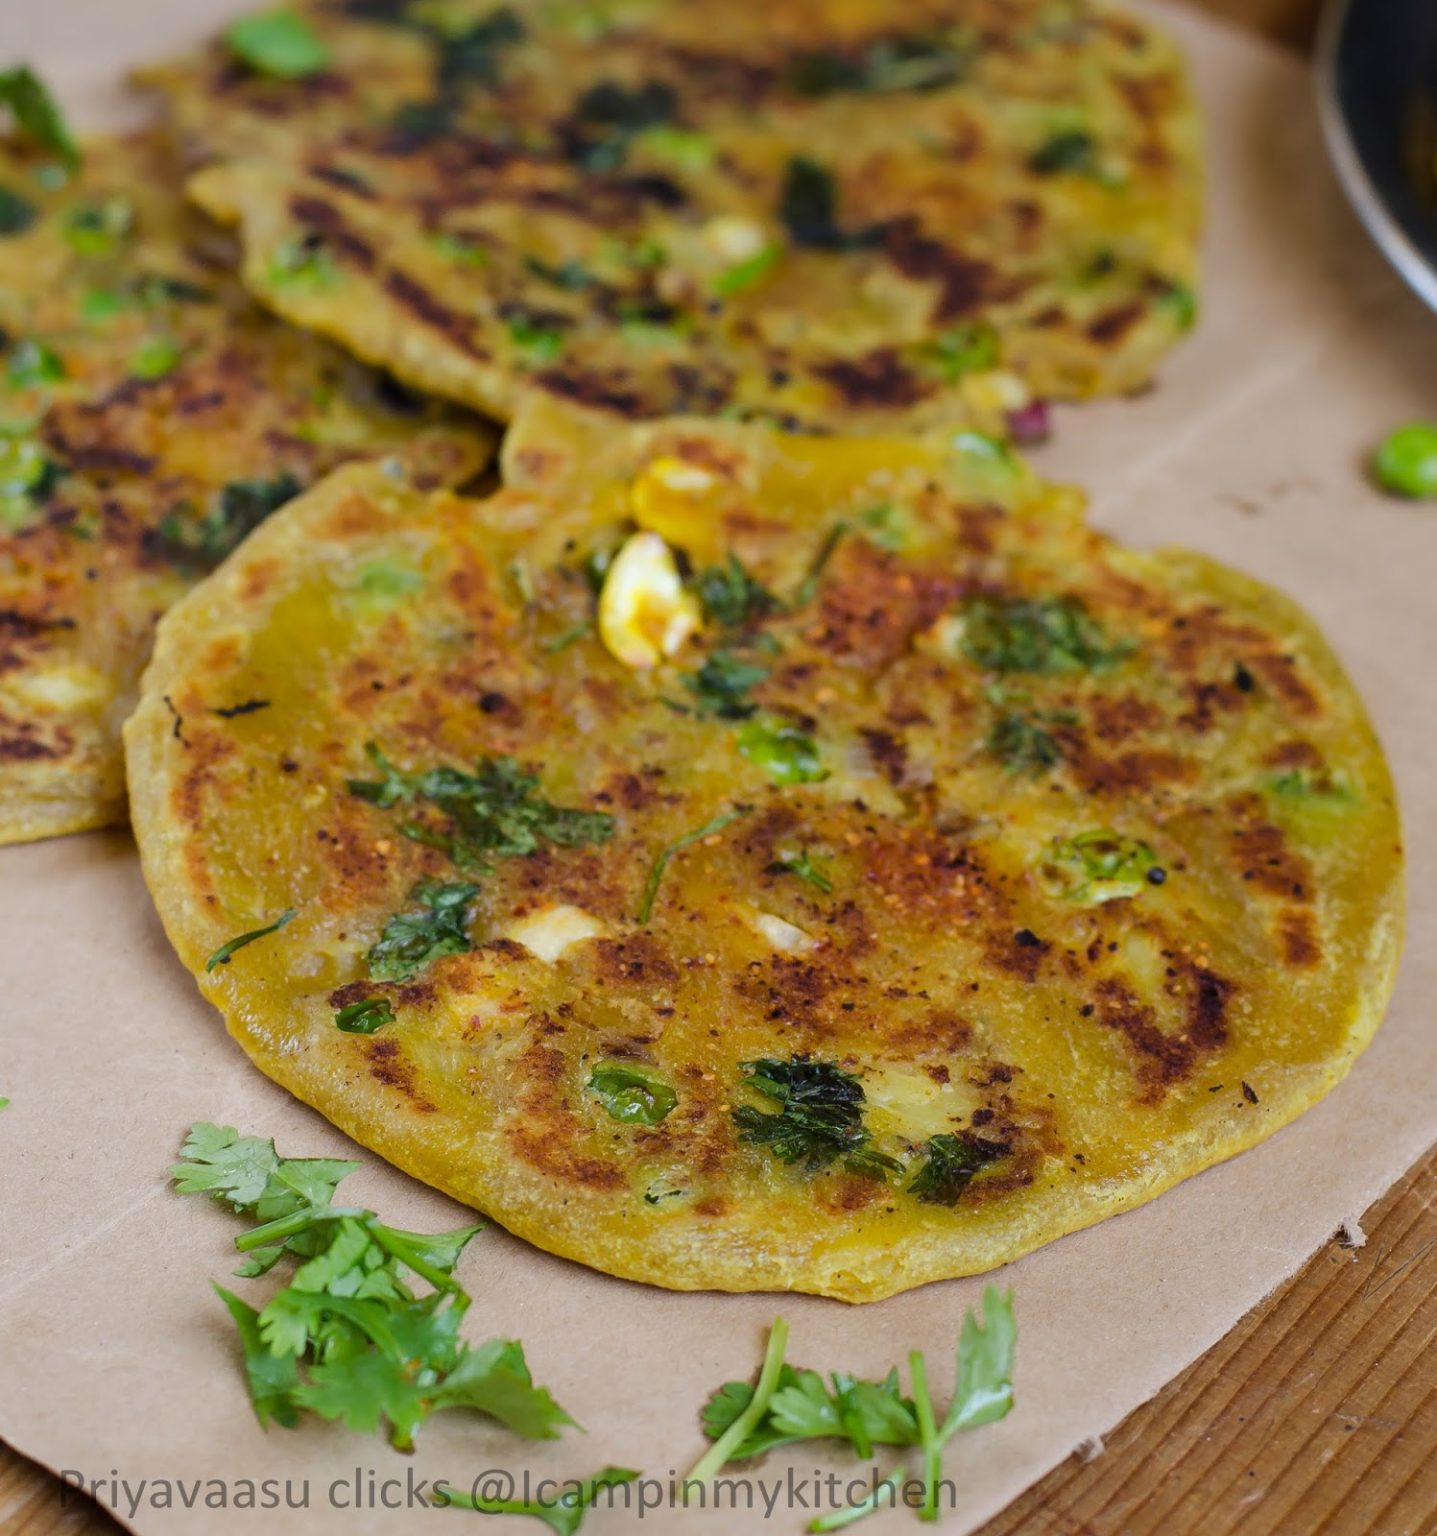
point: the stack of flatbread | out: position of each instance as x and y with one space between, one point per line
770 841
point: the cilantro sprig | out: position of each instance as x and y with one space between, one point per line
350 1338
789 1404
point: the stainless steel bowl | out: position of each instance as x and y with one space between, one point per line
1377 87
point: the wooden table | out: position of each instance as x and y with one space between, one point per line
1316 1416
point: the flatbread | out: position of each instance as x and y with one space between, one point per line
823 215
149 414
980 880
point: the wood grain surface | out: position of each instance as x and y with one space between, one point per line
1315 1416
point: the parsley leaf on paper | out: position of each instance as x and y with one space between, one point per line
349 1338
789 1405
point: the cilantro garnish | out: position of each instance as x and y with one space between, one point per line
36 115
801 865
242 506
225 952
609 117
1074 151
16 214
348 1338
661 864
808 206
563 1515
789 1405
721 683
411 940
1046 634
820 1121
365 1016
279 43
490 813
1022 744
475 55
949 1163
731 597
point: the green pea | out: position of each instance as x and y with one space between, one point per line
782 751
1406 463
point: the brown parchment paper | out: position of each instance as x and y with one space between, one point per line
117 1360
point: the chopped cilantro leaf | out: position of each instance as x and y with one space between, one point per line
411 940
475 55
227 951
572 276
1073 151
820 1121
492 812
808 206
1047 634
1022 744
16 214
949 1163
722 683
609 116
36 114
630 1094
279 43
731 597
243 505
